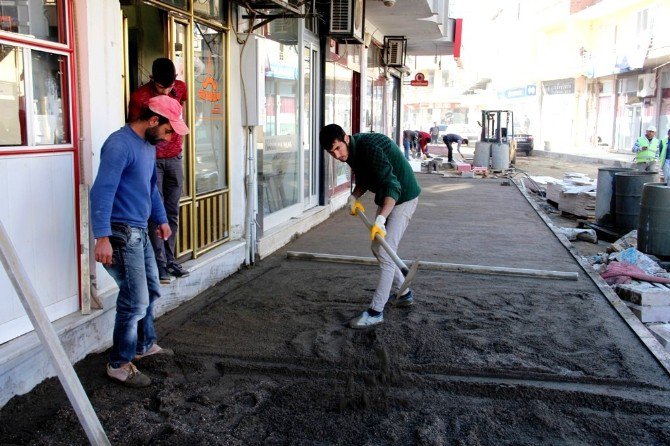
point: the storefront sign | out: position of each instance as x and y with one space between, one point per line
513 93
419 81
559 86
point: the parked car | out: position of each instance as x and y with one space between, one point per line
524 143
470 132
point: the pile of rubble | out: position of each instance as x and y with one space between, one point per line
640 281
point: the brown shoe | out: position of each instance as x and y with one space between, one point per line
128 375
155 350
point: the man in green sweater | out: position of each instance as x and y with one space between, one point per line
380 167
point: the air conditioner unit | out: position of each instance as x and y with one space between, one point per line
347 20
394 51
646 85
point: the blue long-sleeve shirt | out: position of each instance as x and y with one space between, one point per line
125 189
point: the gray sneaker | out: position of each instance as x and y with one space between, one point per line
365 320
128 375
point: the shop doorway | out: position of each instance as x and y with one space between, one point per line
198 52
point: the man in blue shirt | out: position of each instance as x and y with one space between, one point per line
123 198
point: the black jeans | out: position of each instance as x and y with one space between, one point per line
170 180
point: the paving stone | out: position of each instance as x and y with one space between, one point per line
644 294
651 313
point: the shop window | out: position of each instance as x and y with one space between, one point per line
210 129
43 122
211 9
279 173
12 97
41 19
48 125
181 4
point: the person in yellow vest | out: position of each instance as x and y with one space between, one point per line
664 158
646 149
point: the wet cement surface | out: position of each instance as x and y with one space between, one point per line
265 356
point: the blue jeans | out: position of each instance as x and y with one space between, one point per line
405 144
135 272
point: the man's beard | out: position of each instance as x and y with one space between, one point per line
151 135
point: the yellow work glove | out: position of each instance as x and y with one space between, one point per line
354 205
378 227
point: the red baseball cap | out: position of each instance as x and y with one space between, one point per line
166 106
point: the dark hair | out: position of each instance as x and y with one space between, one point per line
163 71
146 113
329 134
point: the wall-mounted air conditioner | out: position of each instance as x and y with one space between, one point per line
347 20
646 85
395 48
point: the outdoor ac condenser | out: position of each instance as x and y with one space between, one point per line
646 85
347 20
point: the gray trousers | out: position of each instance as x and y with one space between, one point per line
648 166
170 180
391 276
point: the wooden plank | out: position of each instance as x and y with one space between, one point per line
47 335
453 267
84 251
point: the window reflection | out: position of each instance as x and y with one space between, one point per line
48 123
210 168
208 8
338 98
36 18
12 97
281 156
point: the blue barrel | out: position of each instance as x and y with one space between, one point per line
628 194
653 233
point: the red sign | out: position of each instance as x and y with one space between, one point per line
419 81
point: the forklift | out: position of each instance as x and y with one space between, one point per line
498 128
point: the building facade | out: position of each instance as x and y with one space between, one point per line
259 90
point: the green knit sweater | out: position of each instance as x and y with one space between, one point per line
380 166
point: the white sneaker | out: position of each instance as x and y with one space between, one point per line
366 320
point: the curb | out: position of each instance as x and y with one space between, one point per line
583 158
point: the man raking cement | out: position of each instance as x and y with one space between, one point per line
379 166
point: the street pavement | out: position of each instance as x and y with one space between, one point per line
265 356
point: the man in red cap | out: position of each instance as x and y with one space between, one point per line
169 170
124 198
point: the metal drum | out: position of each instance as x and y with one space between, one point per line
605 194
628 193
653 233
482 154
499 156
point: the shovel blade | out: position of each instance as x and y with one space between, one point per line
409 277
